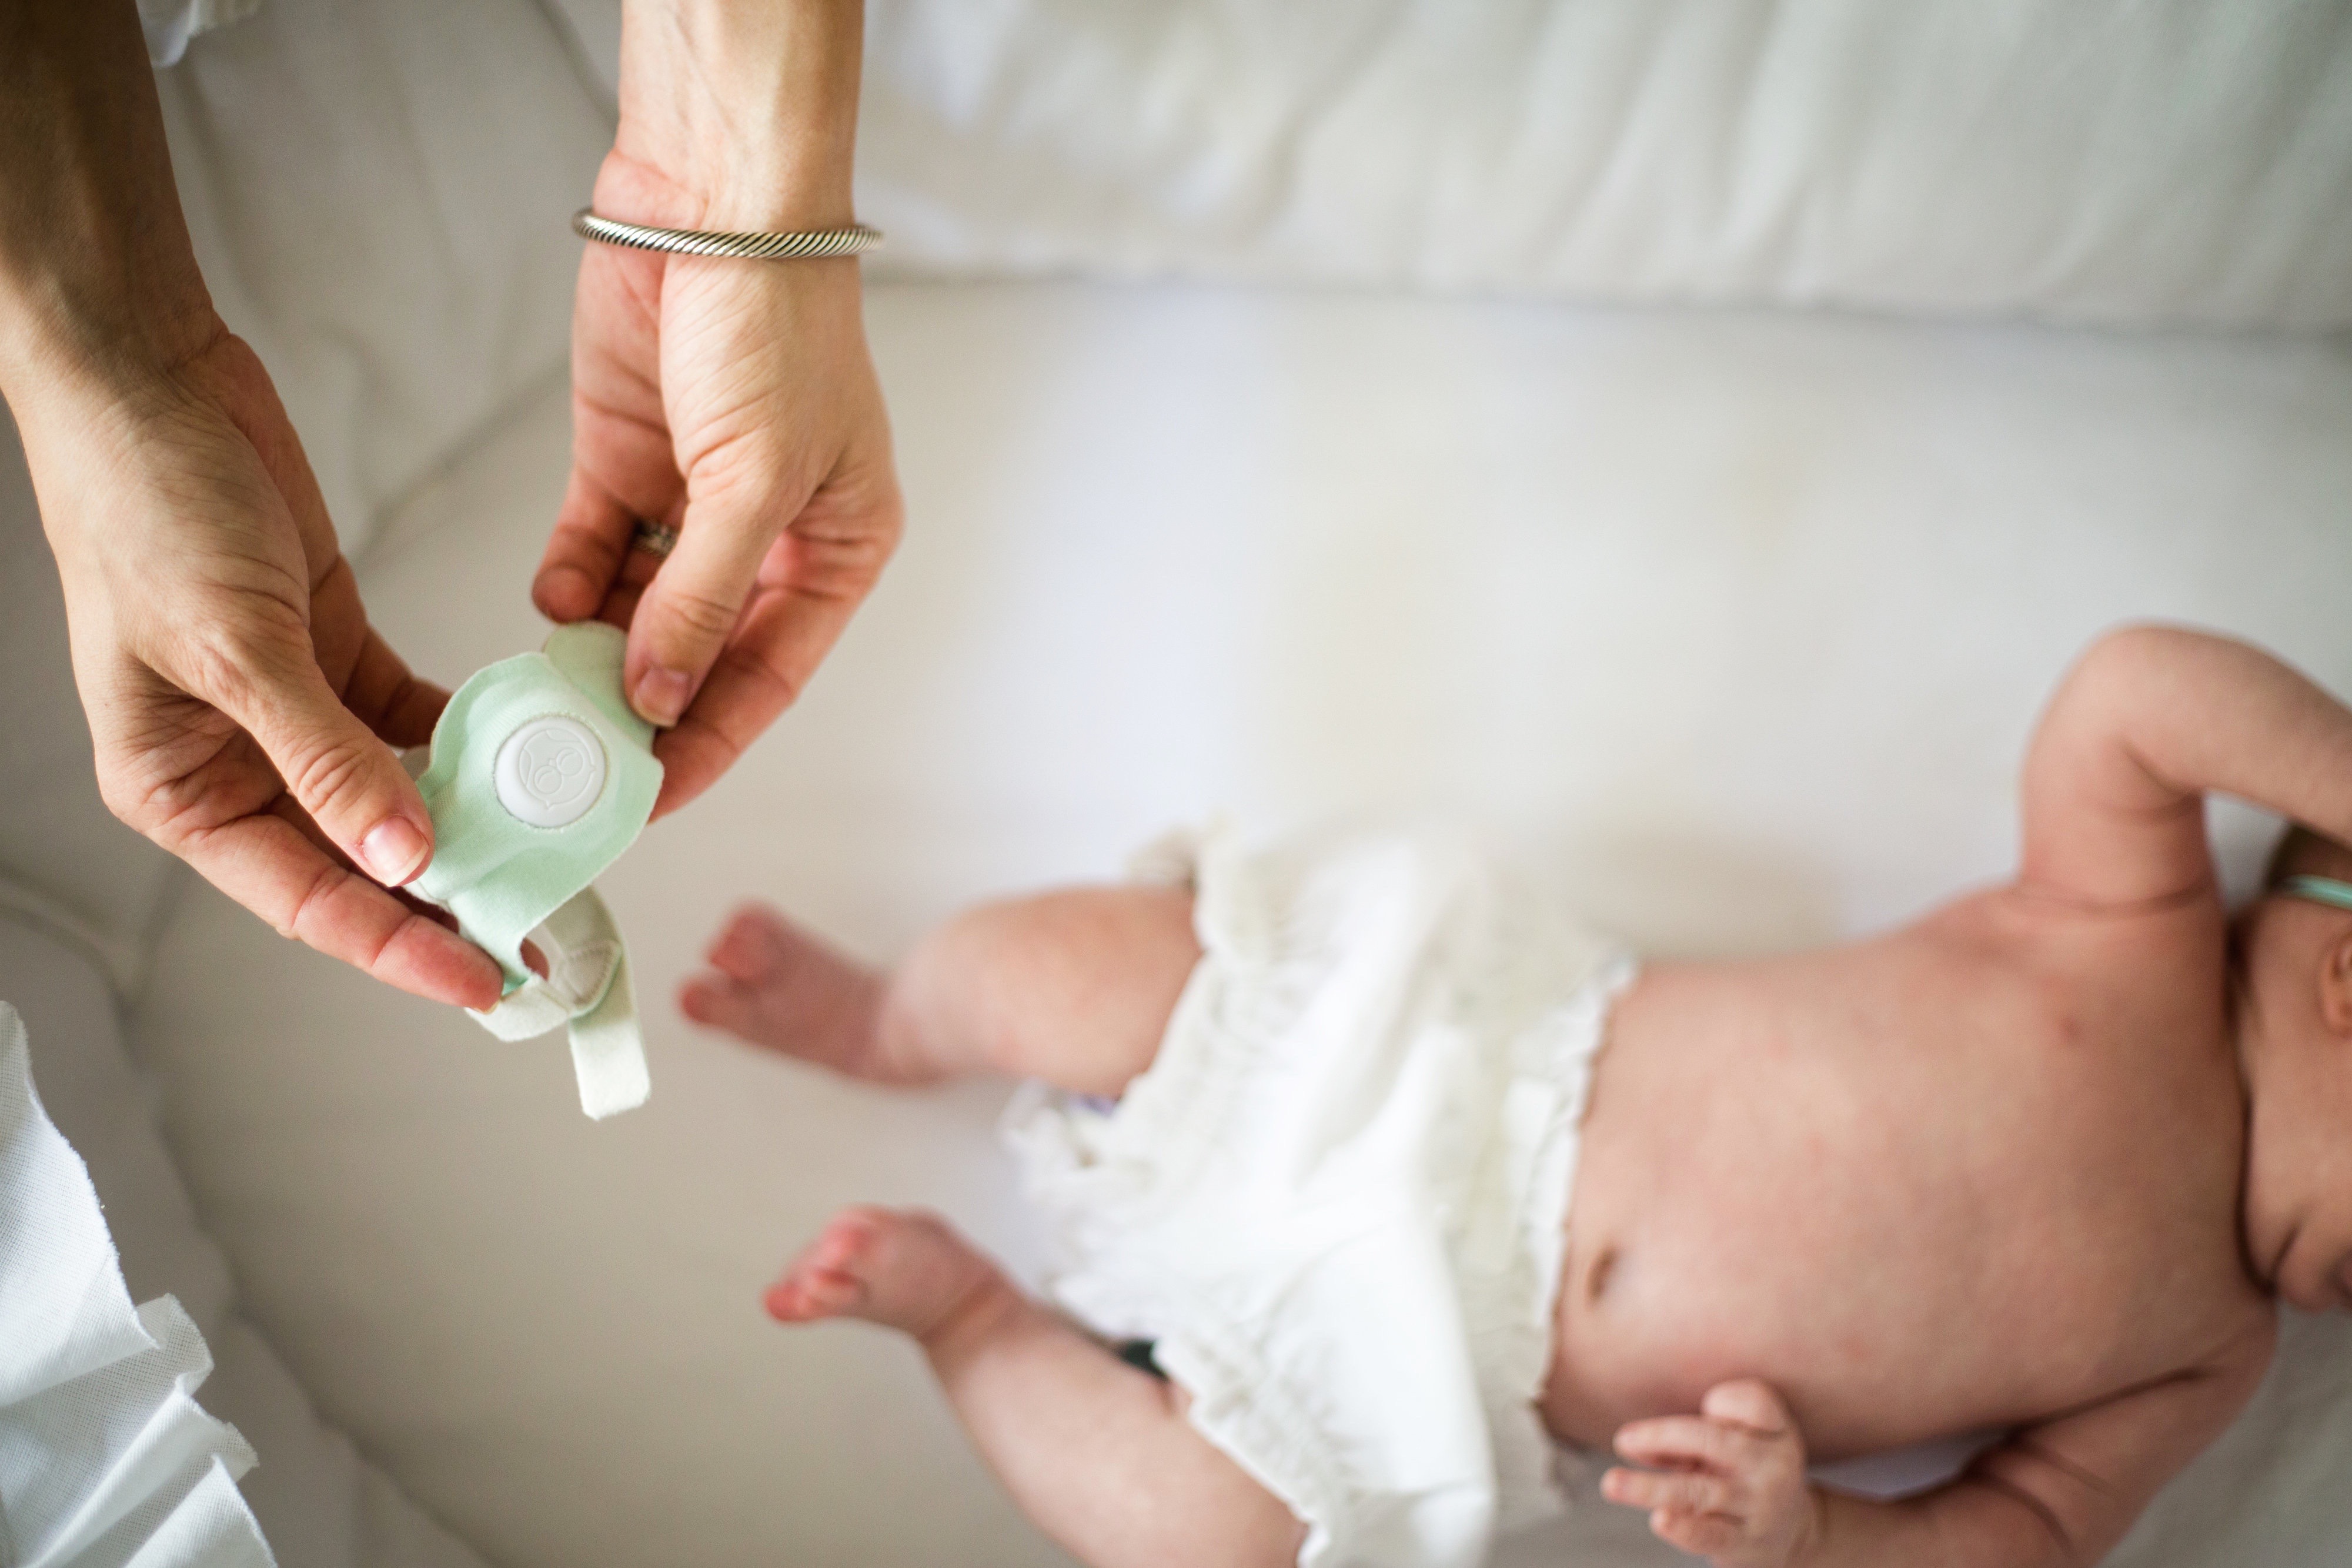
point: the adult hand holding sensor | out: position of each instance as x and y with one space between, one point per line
540 776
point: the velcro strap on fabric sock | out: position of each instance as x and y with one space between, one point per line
587 986
541 777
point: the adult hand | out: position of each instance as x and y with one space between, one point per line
731 400
239 704
242 708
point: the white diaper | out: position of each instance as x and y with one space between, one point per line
1337 1201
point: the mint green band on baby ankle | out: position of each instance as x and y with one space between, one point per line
542 777
2319 890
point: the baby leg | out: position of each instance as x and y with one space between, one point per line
1073 986
1097 1453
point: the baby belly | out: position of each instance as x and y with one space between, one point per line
1907 1238
1643 1334
1874 1348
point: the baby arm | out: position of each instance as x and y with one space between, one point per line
2148 721
2061 1493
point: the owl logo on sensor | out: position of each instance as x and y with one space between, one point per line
550 772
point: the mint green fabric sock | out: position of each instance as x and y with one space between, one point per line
541 777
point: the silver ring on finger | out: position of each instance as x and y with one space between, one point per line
657 539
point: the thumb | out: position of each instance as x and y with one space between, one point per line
1747 1402
349 782
691 606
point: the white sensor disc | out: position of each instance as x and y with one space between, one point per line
550 772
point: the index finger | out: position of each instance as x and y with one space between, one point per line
398 706
1688 1439
784 634
265 863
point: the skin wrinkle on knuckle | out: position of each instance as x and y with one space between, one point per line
124 804
584 548
1687 1492
138 779
603 407
227 654
704 616
843 568
329 878
736 457
730 748
162 813
374 960
331 776
336 574
215 667
756 663
179 796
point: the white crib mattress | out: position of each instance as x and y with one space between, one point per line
1737 622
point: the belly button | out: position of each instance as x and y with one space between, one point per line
1596 1279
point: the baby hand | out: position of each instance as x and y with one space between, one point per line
1733 1488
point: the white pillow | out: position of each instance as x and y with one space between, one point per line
106 1458
2137 161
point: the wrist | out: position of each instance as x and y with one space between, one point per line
97 280
64 340
748 113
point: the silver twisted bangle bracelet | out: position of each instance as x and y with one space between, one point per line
855 240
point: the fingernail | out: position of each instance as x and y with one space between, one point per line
662 693
393 849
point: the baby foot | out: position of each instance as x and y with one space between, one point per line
774 985
902 1269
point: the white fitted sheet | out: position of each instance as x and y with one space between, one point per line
1738 621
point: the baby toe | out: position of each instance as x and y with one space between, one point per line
714 999
804 1299
749 945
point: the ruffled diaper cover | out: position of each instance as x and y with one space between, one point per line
1335 1202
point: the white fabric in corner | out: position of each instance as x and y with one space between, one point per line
106 1458
321 1504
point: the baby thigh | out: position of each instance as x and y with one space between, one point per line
1073 986
1101 1456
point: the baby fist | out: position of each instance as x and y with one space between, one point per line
1728 1484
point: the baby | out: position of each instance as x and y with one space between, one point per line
1365 1215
